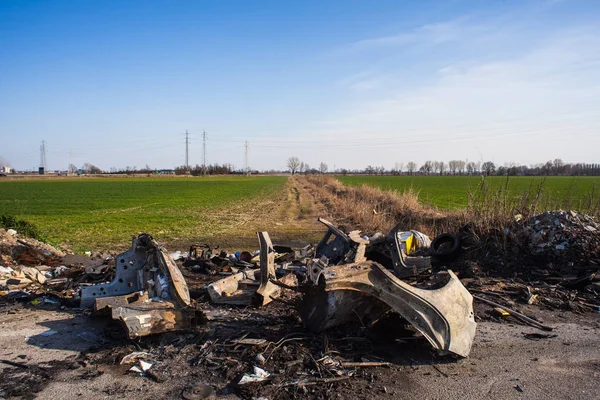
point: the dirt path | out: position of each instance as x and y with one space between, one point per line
290 217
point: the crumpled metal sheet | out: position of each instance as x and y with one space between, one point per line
148 294
444 316
252 287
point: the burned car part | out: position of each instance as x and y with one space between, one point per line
148 294
403 244
140 316
342 248
252 287
444 316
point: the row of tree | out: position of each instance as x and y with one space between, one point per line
214 169
459 167
452 167
295 165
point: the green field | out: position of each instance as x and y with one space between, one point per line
451 192
94 213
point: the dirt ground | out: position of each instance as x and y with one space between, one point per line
49 351
64 354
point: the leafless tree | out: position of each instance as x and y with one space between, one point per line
427 167
442 167
91 169
453 166
411 167
399 167
323 167
558 166
471 168
293 163
488 167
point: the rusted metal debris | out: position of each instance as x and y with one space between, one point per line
148 294
251 287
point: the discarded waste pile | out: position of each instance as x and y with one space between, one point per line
301 316
560 241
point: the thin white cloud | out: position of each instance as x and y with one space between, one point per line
436 33
530 106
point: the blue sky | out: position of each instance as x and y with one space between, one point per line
350 83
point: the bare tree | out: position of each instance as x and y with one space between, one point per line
460 166
442 167
72 168
399 167
453 166
293 163
488 167
471 168
91 169
558 166
427 167
323 167
411 167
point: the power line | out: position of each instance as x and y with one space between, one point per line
187 149
246 166
43 157
204 153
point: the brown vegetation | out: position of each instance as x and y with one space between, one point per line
372 209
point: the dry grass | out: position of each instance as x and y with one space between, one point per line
372 209
494 208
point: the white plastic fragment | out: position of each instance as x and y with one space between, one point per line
259 375
141 368
5 270
145 365
11 232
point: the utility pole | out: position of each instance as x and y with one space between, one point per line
70 161
187 150
246 166
204 152
42 169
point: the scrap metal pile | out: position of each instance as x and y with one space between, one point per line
349 275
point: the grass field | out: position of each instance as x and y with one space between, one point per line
96 213
451 192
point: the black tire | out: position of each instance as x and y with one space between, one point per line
445 247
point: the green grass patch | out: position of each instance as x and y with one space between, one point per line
451 192
93 213
25 228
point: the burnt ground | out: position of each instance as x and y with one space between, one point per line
53 353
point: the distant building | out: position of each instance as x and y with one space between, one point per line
6 170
